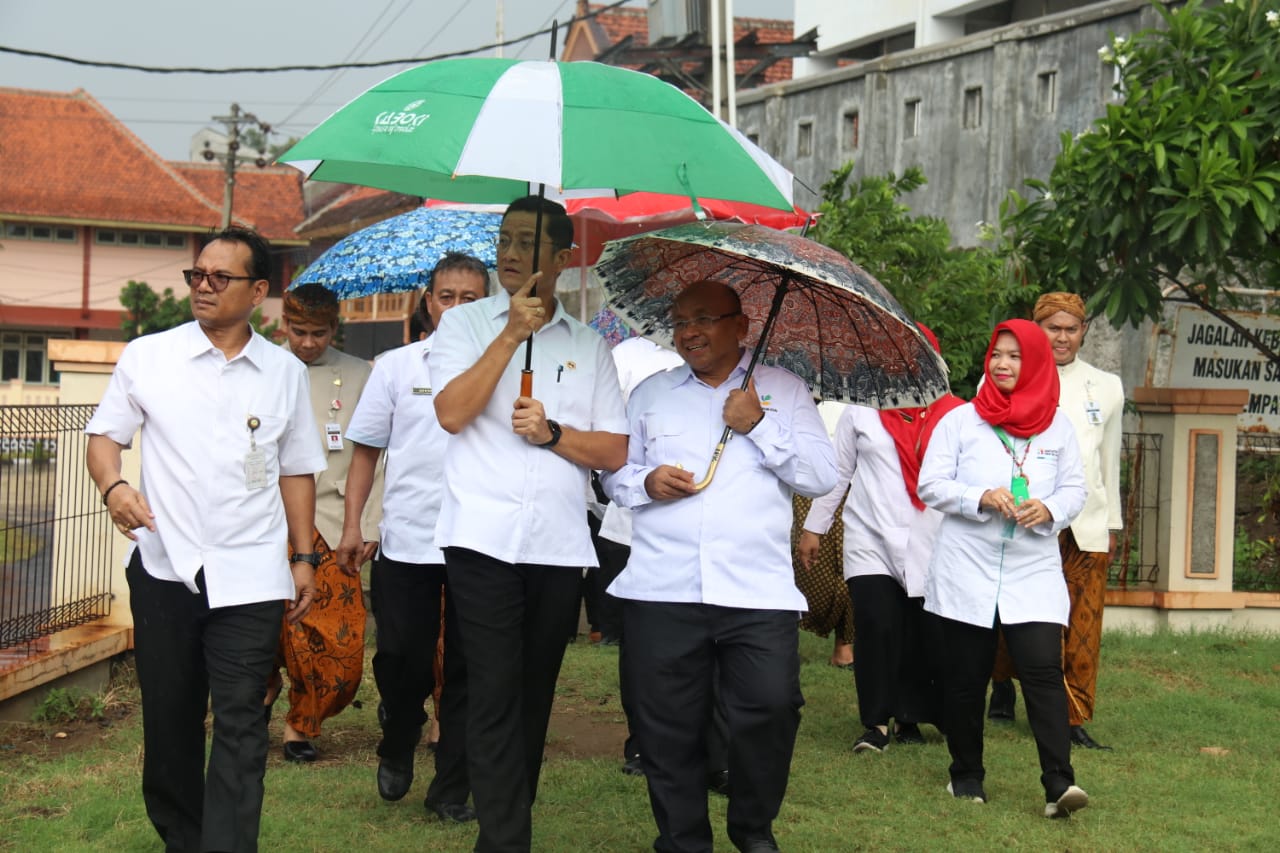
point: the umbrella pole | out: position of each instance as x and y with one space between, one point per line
526 375
774 310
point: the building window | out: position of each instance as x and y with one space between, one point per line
147 239
911 119
973 107
40 231
1047 93
23 356
849 130
804 139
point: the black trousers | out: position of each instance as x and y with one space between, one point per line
893 669
968 651
605 611
672 651
516 620
191 658
406 610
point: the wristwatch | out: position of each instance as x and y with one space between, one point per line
312 559
556 432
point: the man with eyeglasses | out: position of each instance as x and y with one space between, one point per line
512 521
229 456
709 585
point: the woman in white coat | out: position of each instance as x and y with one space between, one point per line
1006 471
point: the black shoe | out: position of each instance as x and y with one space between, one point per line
452 812
718 782
1079 737
1003 698
610 640
395 777
908 733
300 751
754 843
633 767
872 740
967 789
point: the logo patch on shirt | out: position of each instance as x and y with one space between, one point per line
422 390
1047 453
766 399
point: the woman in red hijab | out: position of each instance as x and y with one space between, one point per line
887 539
1006 472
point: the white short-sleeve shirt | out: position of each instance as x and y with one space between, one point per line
505 497
194 407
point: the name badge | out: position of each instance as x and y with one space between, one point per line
333 435
422 390
255 469
1093 413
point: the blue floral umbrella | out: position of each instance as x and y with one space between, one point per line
397 254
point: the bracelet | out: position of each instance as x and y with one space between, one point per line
111 488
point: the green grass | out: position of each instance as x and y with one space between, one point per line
1161 700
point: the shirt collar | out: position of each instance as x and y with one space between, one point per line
198 344
502 305
684 373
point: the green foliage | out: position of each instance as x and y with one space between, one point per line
147 312
959 293
262 327
65 704
1177 183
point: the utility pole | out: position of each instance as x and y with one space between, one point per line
232 123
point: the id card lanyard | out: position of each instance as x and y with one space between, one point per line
332 429
1018 482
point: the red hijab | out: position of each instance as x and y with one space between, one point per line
1030 407
910 429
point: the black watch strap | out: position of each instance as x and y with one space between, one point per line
556 432
312 558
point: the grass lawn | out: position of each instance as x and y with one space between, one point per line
1195 721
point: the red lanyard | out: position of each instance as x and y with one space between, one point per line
1007 444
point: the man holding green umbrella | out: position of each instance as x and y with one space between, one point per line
512 522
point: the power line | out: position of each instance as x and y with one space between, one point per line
416 60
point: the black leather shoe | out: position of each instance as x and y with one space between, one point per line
1079 737
1004 696
300 751
395 777
754 844
633 767
452 812
718 783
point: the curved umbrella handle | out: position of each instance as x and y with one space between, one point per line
715 461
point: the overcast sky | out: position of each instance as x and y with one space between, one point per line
165 110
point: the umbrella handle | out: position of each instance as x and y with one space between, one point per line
715 461
526 383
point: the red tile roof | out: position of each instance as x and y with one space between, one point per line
268 199
67 158
354 209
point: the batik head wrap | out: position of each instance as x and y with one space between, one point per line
1051 303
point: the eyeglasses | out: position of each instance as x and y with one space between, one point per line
219 281
524 245
701 324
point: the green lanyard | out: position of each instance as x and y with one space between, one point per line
1007 443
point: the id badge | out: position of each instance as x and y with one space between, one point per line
333 436
1018 488
255 469
1093 412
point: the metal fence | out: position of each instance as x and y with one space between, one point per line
1137 561
1257 522
55 535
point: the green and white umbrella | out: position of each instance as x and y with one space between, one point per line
491 130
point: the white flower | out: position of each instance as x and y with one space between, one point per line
1120 42
1229 2
1048 196
1122 60
1105 54
1273 18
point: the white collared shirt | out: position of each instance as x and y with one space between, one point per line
397 412
505 497
974 571
1094 402
193 407
880 521
729 544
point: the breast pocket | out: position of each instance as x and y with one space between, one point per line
663 432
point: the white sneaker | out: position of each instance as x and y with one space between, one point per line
1072 800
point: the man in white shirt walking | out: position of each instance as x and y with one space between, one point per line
396 414
710 581
229 457
512 522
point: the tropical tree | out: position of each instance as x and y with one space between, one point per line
1171 195
960 293
147 311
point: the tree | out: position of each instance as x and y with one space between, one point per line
959 293
1170 196
147 312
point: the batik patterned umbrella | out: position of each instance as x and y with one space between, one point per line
820 315
397 254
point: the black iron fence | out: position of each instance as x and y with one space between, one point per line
1257 527
55 535
1137 562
